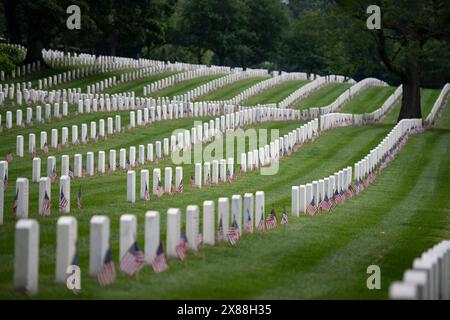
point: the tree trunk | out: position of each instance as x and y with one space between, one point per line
34 47
411 93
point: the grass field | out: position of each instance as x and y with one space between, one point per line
368 100
401 214
276 93
322 97
231 90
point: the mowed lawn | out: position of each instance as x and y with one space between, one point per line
276 93
231 90
322 97
368 100
402 214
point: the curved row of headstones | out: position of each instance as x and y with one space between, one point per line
318 83
327 192
187 75
438 105
198 134
236 75
247 216
429 277
266 84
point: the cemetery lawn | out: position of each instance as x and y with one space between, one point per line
184 86
231 90
322 97
368 100
276 93
403 213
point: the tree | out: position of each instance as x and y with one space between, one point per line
407 28
213 24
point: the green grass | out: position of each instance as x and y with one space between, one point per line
322 97
35 76
427 98
276 93
402 214
229 91
368 100
184 86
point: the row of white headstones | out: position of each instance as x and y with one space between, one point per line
341 181
429 277
183 141
26 257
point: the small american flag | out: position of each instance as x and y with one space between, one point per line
284 217
146 193
180 186
159 189
33 152
181 248
76 143
79 198
192 182
133 260
199 240
53 174
220 236
58 147
337 197
46 204
350 192
208 181
342 194
249 223
240 170
159 263
271 220
229 177
107 273
9 157
15 204
326 205
71 175
45 148
233 233
62 200
261 225
109 169
312 209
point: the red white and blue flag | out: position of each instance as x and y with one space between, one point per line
284 218
159 263
133 260
107 273
46 204
181 248
233 233
62 200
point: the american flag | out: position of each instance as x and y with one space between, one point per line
220 236
337 197
342 194
240 170
159 263
261 225
76 143
62 200
180 186
311 209
271 220
53 174
128 165
58 147
15 204
109 169
5 181
229 177
233 233
350 192
45 148
249 223
325 204
107 273
192 182
9 157
208 181
79 198
284 217
159 189
133 260
71 175
146 193
172 188
199 240
46 204
181 248
356 187
33 152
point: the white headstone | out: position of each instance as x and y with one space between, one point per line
22 198
259 207
131 186
66 246
99 243
128 229
152 235
208 223
224 214
192 226
173 233
64 193
26 256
